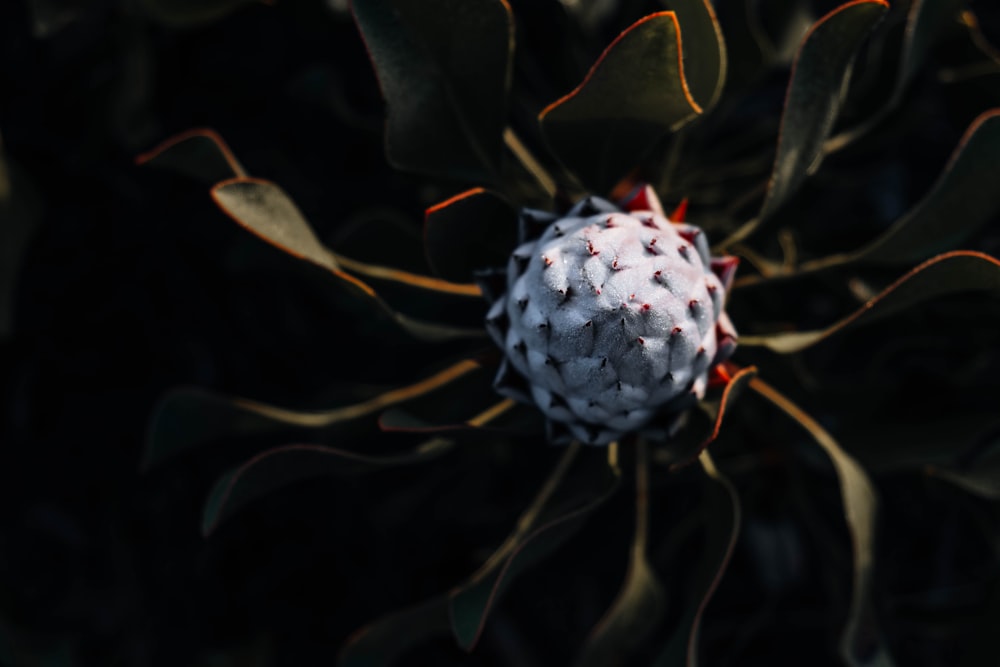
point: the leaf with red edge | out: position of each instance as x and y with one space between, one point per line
281 466
721 511
696 437
860 642
704 50
634 95
188 418
381 643
473 230
263 208
444 67
963 199
950 273
816 92
571 495
200 154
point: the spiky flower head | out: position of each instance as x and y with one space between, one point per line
610 318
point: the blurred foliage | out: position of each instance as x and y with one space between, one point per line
121 283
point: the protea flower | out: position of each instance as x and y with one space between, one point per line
610 316
611 320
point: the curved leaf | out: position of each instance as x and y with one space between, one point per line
192 12
633 96
722 514
640 603
444 67
963 199
924 22
979 471
950 273
381 643
704 50
200 154
506 417
279 467
860 641
263 208
715 411
471 231
558 511
816 92
187 418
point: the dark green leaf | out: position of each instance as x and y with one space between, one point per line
384 641
721 515
191 12
263 208
471 231
187 418
816 92
640 602
950 273
964 198
633 96
703 49
279 467
860 643
978 472
510 418
444 68
559 510
199 154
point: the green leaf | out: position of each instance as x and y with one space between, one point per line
924 22
815 94
563 505
200 154
860 643
507 418
471 231
950 273
188 418
384 641
721 516
634 95
641 600
192 12
963 199
263 208
703 49
444 67
279 467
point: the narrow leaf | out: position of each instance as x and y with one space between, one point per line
20 213
715 410
188 418
444 67
471 231
722 516
200 154
640 603
263 208
279 467
815 94
950 273
505 417
860 641
634 95
556 514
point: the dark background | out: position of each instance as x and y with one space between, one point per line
132 282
